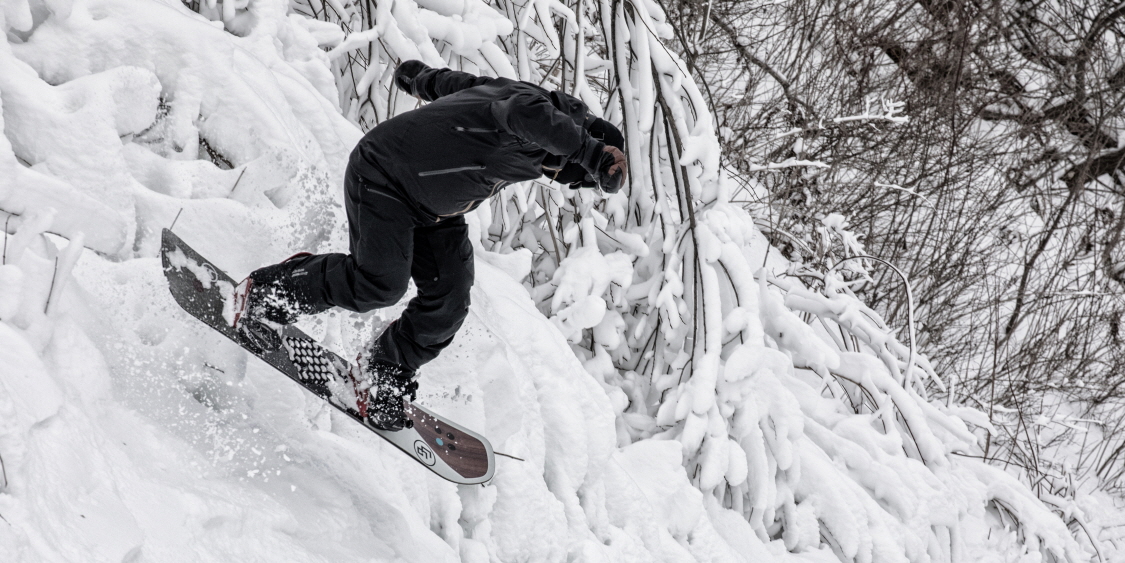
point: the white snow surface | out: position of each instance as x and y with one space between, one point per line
131 432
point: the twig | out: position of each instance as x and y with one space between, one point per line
216 157
3 472
509 456
796 240
550 225
1093 542
5 258
702 26
743 50
47 305
173 225
906 377
911 192
236 181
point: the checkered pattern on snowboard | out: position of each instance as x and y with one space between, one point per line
312 364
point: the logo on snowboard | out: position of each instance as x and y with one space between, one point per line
424 453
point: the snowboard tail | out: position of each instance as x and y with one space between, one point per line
451 451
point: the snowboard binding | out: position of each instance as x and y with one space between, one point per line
382 397
258 336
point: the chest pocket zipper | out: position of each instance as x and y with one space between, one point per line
515 139
451 170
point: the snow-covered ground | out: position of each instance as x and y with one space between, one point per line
131 432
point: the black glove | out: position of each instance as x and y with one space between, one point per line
612 170
605 166
405 73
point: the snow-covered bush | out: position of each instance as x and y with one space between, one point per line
674 390
1011 233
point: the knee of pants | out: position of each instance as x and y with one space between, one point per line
459 301
451 301
458 291
378 291
444 325
448 299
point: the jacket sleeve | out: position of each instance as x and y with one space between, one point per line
531 117
433 83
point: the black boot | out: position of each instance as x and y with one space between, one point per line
268 297
270 294
390 388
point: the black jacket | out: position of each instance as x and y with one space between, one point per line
476 136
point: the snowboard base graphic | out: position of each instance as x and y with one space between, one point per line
203 290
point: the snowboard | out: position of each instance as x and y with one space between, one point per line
451 451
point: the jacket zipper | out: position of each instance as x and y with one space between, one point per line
460 129
377 192
451 170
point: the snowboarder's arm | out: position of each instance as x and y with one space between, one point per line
531 117
430 84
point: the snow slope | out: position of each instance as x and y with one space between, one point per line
130 432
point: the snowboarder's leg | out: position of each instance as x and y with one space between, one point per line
374 275
442 269
376 272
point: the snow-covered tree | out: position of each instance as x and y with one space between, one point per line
999 197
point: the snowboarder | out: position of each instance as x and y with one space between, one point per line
408 183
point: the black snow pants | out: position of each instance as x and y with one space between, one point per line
392 242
